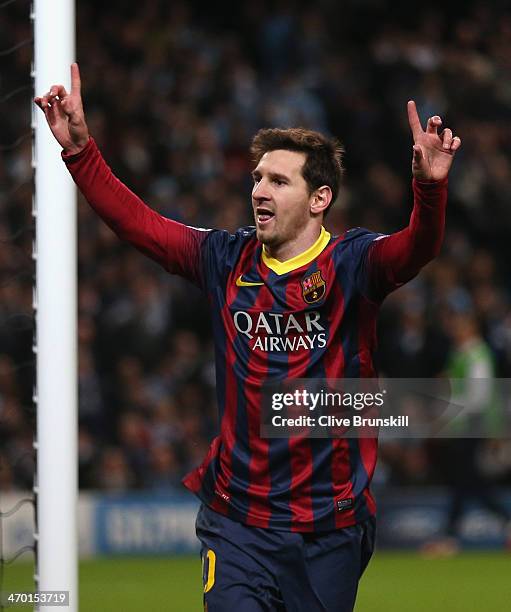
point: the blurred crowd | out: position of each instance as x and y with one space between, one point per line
173 93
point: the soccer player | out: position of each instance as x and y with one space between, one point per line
285 524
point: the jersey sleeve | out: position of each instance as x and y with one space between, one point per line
395 259
381 263
177 247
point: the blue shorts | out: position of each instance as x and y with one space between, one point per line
249 569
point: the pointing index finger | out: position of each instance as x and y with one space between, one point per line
413 120
75 79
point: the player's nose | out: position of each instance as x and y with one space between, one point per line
260 191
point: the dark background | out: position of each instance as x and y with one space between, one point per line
173 93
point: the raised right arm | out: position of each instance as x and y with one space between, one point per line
175 246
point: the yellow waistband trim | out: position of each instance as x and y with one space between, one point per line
282 267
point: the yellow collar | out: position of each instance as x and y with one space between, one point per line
282 267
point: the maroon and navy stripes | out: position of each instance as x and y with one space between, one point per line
287 483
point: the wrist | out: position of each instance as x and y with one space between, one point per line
75 148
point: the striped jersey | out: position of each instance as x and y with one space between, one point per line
313 316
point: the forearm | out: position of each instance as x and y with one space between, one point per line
173 245
395 259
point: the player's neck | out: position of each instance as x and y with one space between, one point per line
292 248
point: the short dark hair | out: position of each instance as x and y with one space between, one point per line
323 155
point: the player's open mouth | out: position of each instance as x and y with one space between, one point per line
263 215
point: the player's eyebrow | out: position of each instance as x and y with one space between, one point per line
272 176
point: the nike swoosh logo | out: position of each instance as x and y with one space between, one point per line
241 283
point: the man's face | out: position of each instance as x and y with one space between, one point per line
280 197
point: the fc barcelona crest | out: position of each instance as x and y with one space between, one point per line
313 287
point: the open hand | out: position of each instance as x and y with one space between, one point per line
432 152
64 114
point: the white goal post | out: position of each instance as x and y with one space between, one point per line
56 484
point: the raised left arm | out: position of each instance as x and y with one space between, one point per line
395 259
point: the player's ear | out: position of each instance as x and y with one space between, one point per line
321 199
